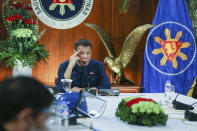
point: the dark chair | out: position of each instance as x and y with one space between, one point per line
55 80
194 94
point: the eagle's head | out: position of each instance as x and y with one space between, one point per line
109 60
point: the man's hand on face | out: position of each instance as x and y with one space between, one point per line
74 58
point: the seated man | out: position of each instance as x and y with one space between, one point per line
24 103
84 71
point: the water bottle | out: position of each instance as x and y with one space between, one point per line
52 120
166 93
169 91
63 114
167 87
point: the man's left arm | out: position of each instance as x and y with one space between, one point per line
104 82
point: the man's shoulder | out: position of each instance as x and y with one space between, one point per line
96 63
64 63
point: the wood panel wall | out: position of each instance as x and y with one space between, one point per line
106 14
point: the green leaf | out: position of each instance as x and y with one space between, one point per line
123 8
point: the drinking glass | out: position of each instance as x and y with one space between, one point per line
66 84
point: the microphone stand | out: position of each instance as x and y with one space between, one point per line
179 105
87 88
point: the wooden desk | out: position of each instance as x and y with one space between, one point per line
123 88
128 88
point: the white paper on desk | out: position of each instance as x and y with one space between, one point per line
190 122
175 114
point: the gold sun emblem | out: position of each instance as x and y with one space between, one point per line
171 48
62 4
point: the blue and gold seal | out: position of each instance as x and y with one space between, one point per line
62 14
170 48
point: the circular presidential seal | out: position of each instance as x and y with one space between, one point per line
170 48
62 14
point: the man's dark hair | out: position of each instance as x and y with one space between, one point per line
83 42
19 93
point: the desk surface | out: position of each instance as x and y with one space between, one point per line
109 122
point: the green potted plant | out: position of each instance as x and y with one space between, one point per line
22 48
192 7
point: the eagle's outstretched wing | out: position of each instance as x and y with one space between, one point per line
130 44
104 37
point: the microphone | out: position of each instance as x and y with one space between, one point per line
83 62
102 92
181 106
87 88
189 115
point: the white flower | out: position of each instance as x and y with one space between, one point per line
24 33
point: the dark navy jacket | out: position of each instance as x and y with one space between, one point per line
92 75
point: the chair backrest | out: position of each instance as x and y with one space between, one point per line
55 80
194 94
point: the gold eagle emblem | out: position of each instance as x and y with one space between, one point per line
116 64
